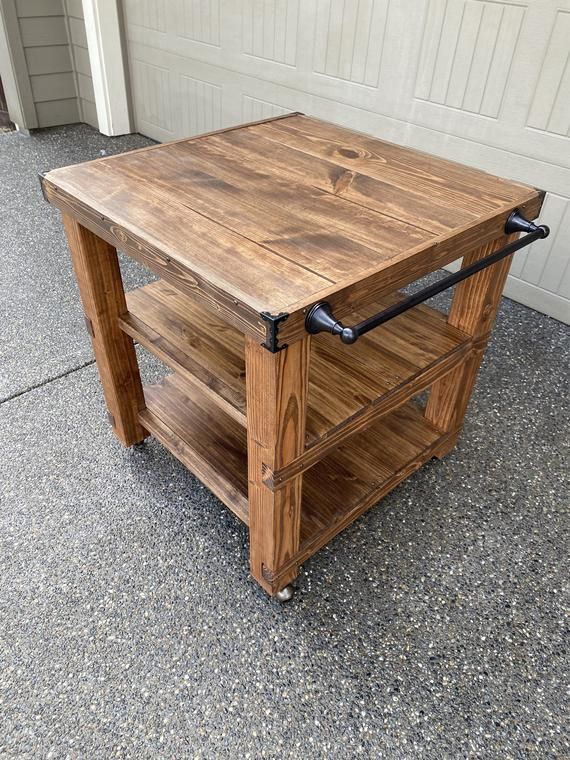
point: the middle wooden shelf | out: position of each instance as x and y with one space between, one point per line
349 386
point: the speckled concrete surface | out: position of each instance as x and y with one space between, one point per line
434 627
39 307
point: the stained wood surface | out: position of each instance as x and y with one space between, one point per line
348 385
101 288
335 491
274 216
195 342
473 310
277 386
355 475
211 444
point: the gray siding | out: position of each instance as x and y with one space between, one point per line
43 31
52 36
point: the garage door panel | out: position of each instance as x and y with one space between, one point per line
269 30
147 14
201 105
153 96
255 109
550 105
198 21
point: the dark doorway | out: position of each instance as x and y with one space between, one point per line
5 122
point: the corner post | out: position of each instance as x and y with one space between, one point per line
473 310
99 278
277 386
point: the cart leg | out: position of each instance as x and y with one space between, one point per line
100 285
276 410
473 310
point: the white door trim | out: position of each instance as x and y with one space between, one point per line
108 66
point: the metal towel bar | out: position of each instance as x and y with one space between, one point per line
321 319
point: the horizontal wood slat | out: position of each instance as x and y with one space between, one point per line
349 386
338 489
209 443
451 183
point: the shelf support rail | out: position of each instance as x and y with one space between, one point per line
320 317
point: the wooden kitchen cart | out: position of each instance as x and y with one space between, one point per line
265 238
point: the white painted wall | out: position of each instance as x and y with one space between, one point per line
484 82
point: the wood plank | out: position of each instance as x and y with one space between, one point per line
100 285
235 312
458 183
277 387
195 138
307 202
211 445
476 299
205 249
448 193
346 378
349 386
369 414
473 310
317 532
405 205
361 289
357 469
292 220
200 347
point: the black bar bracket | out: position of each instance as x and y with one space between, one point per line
517 223
273 321
320 317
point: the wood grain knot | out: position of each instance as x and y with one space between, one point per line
348 153
120 234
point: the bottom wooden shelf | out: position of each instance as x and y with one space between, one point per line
335 491
210 443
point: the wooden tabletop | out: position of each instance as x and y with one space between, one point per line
274 216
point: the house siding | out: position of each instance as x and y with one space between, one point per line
52 35
43 32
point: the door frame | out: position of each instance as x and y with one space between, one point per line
107 57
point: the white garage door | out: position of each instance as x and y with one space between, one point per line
483 82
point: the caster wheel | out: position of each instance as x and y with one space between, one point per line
286 594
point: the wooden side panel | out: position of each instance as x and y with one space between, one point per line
277 387
99 278
473 310
208 442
